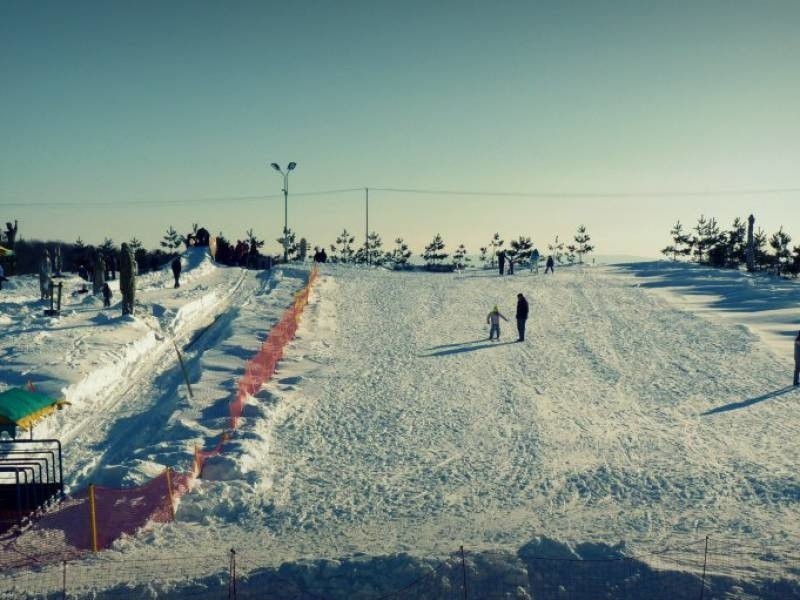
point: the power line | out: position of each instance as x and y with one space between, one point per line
477 193
210 200
668 194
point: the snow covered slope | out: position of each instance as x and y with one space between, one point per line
393 425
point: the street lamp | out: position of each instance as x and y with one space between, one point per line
285 174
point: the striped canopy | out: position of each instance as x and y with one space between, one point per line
24 408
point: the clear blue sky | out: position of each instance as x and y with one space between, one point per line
157 102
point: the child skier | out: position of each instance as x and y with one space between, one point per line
493 319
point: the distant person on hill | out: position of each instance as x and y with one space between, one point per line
323 256
522 316
550 265
797 359
176 271
493 319
2 276
106 295
501 261
535 261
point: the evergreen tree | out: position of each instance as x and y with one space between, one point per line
400 255
108 248
375 253
571 254
761 257
518 251
681 243
434 252
484 256
253 244
582 247
737 242
172 240
795 270
779 242
496 244
460 258
343 249
292 248
556 250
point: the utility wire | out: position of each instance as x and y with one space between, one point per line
678 194
484 194
212 200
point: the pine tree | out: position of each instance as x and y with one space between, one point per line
496 244
737 242
344 246
572 249
375 253
583 247
795 270
108 248
484 256
761 257
292 248
400 255
460 258
518 251
172 240
434 252
681 243
779 242
556 249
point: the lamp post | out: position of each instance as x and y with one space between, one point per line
285 174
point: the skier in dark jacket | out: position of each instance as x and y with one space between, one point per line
797 359
550 265
501 261
522 316
176 271
106 295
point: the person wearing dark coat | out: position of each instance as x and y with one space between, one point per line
176 271
550 265
501 261
522 316
323 256
797 359
106 295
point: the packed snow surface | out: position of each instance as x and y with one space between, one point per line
394 425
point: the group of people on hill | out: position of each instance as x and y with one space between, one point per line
320 256
493 319
534 259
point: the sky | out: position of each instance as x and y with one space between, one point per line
119 119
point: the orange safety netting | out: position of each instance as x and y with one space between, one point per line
93 519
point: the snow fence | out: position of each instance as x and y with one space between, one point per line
93 519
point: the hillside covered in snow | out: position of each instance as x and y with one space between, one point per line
649 407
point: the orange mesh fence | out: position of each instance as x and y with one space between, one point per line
93 519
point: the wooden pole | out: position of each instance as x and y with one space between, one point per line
169 494
92 518
183 369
